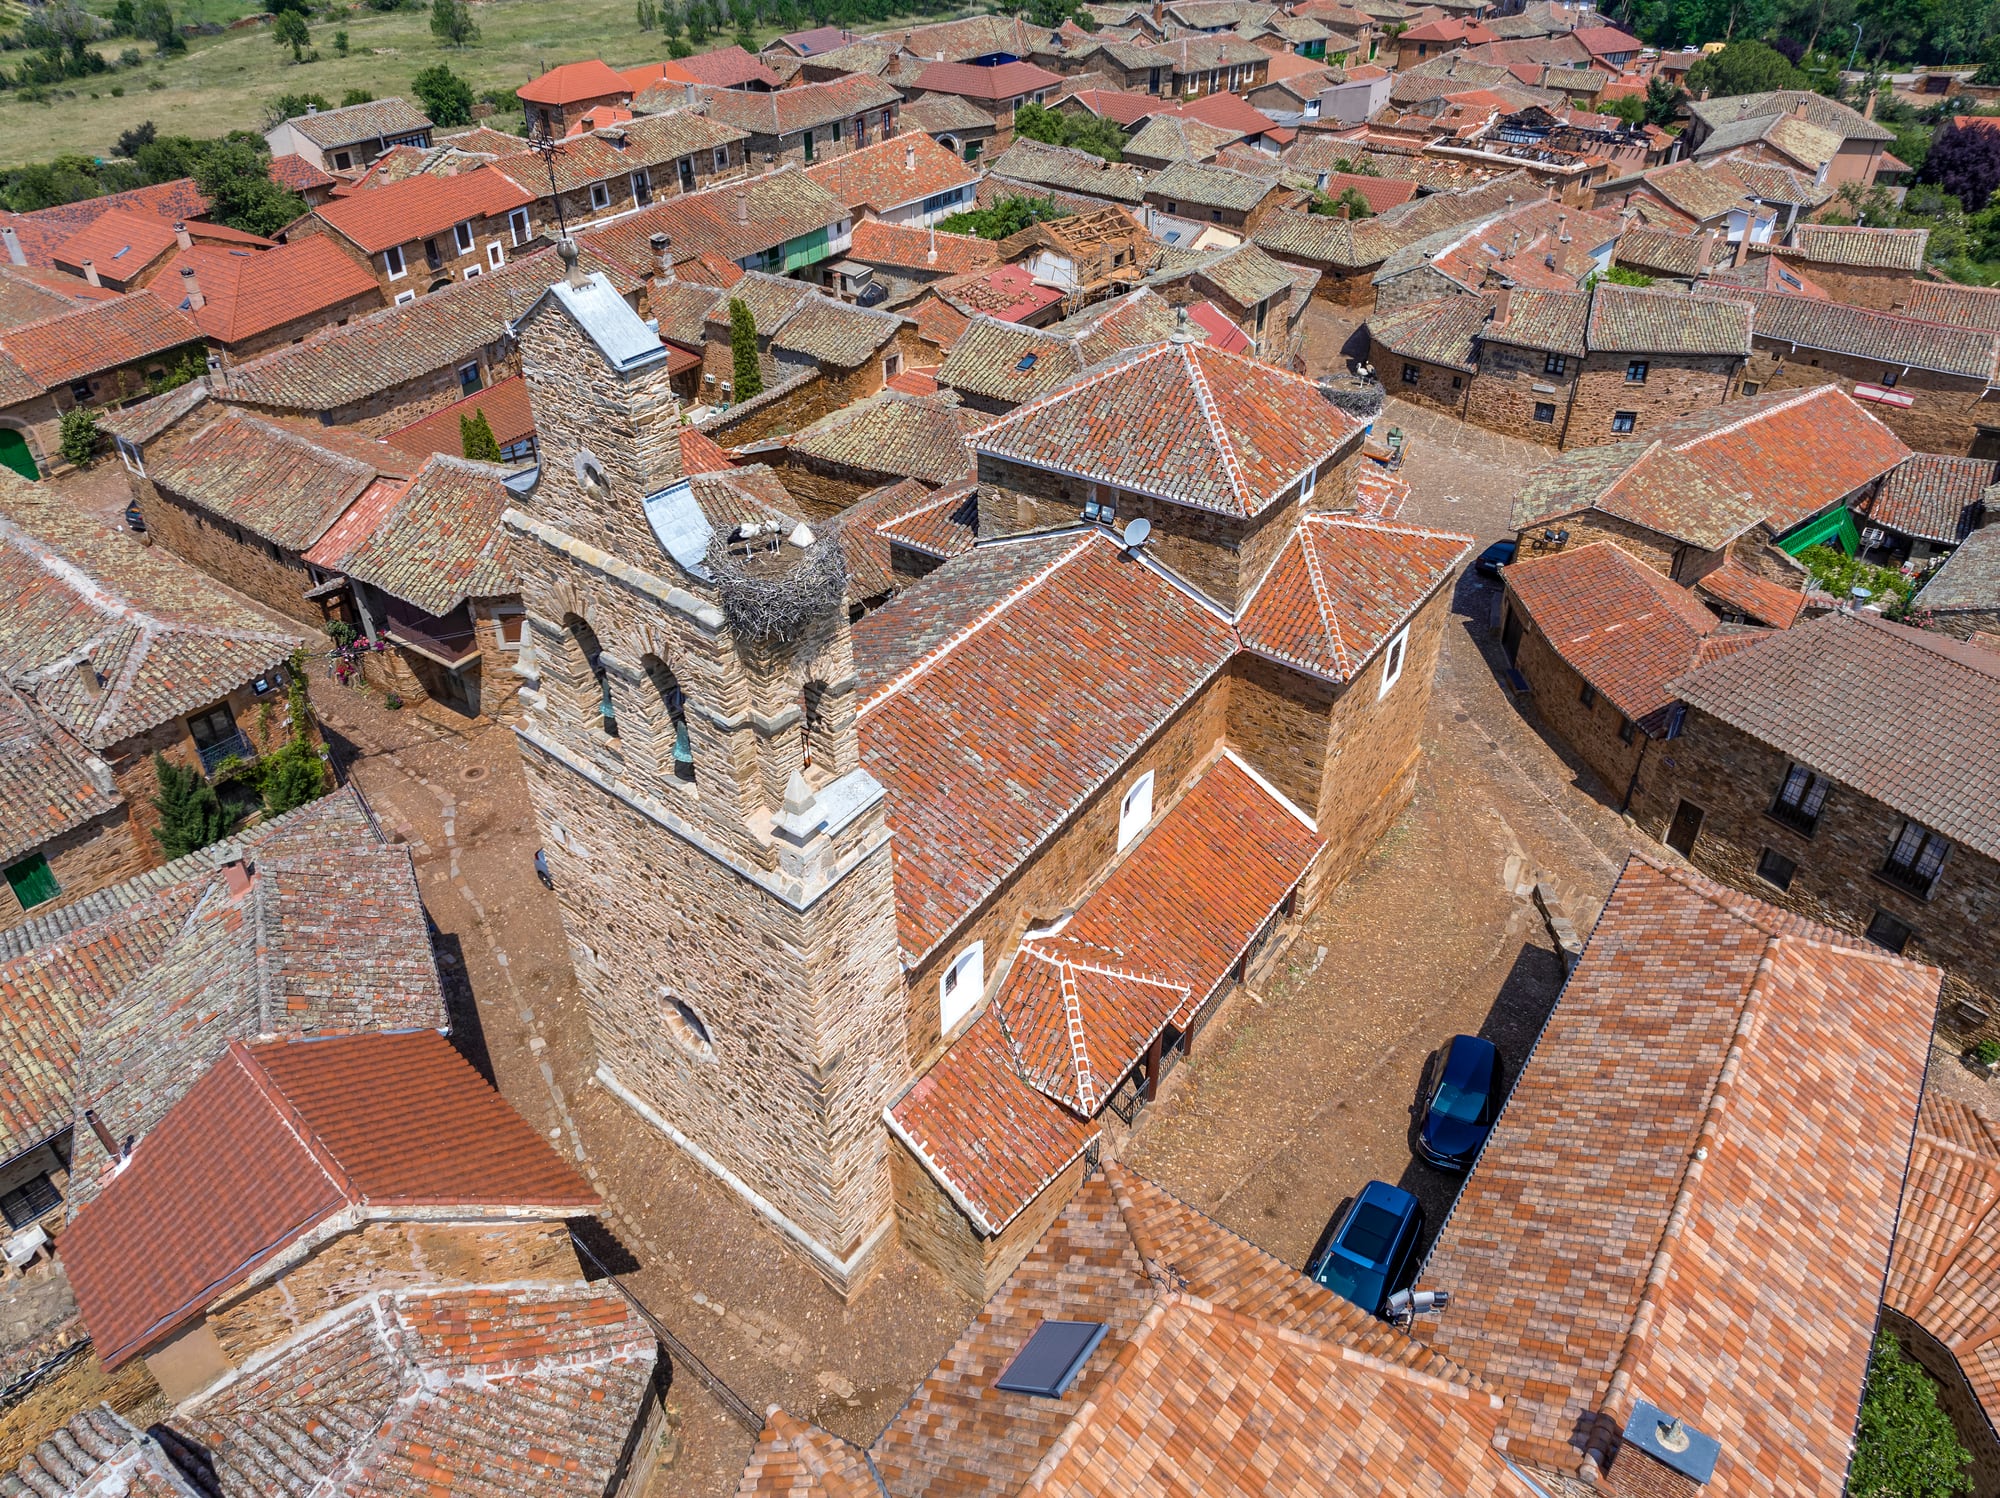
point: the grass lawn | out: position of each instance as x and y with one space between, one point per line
224 82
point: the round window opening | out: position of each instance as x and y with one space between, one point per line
590 473
688 1029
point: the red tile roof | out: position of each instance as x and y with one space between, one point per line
977 783
438 543
122 243
1180 421
415 207
909 248
95 338
1228 112
1120 107
507 412
1341 588
573 83
1222 333
903 169
914 382
276 1138
1621 626
1732 1089
1008 292
941 525
296 173
727 67
971 81
1380 193
1606 41
643 77
246 292
700 454
1759 599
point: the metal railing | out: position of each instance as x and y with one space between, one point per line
1794 817
1907 878
236 746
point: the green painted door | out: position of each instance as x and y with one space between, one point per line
14 454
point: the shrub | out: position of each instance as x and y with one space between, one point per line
1965 161
1007 216
1350 204
453 26
1619 275
191 814
78 442
748 377
447 97
1839 573
293 774
1905 1446
1987 1052
340 46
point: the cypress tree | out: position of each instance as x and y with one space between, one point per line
475 436
749 378
191 813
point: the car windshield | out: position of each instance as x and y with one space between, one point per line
1455 1102
1370 1233
1352 1281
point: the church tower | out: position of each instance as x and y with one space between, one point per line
721 859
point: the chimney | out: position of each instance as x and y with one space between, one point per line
663 257
930 255
1346 210
1503 302
312 109
1742 248
742 206
195 300
1562 229
236 875
90 273
1867 110
910 154
103 1134
182 237
15 254
576 278
1513 245
86 672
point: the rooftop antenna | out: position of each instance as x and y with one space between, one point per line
549 148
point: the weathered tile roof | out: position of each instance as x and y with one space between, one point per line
942 524
938 114
163 639
1182 422
799 1460
1932 497
1341 588
91 339
913 436
1942 1276
1438 332
1621 626
1000 81
1167 137
49 783
28 294
1245 274
282 1135
439 541
1209 186
1004 361
360 122
1816 109
1770 183
1838 328
398 212
1854 245
1756 597
653 139
1697 191
834 332
1833 693
906 247
1665 253
727 67
1042 165
294 173
788 110
274 482
733 221
573 83
1762 273
1553 321
1632 319
902 169
1711 1163
245 293
975 786
1961 306
1970 576
504 404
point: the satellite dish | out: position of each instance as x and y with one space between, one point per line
1137 532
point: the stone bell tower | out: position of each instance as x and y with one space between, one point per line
721 858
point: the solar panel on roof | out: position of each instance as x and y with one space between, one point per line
1052 1358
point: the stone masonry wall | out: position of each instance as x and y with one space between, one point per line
1734 779
1590 730
1437 386
227 552
1513 381
931 1226
85 859
392 1256
1279 721
132 760
1590 526
1674 386
1945 418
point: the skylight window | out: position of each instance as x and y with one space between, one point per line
1027 362
1052 1358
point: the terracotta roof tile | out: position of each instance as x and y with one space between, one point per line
1007 292
1932 497
902 169
438 542
1759 599
94 338
280 1136
1169 137
1960 306
573 83
295 173
1733 1089
1045 166
907 247
727 67
1970 576
245 293
943 524
787 111
507 412
270 480
1810 322
1853 245
1444 331
1002 81
399 212
781 205
1628 319
360 122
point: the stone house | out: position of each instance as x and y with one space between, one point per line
1863 267
1540 245
1805 131
955 123
1927 505
1751 483
1083 182
1193 67
348 140
1791 775
1962 598
98 356
618 168
118 652
1690 198
996 91
424 232
1262 298
554 102
994 366
1929 381
246 304
1203 193
424 569
508 415
797 126
1085 255
781 222
822 811
904 259
906 179
829 465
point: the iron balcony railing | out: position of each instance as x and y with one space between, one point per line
234 747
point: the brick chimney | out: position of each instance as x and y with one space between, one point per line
90 273
182 237
930 254
191 290
663 257
1503 302
86 672
1867 110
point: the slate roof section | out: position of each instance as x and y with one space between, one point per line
1854 245
439 541
1041 165
90 340
1765 1145
1629 319
1342 587
375 120
1970 576
276 483
912 436
1945 1275
1835 327
285 1135
1181 422
1827 693
1617 623
1932 497
975 785
902 169
163 638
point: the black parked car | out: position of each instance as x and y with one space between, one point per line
133 519
1496 556
1464 1101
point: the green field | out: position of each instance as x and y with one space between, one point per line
224 82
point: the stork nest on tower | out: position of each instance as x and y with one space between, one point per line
773 589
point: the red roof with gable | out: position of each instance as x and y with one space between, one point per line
727 67
1003 81
247 292
1228 112
507 410
399 212
296 173
573 83
1222 333
643 77
1009 293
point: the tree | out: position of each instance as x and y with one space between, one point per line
1007 216
1743 68
78 439
1905 1447
153 21
697 22
140 135
476 439
453 26
233 175
124 17
668 15
340 46
1664 99
356 96
293 773
1619 275
647 18
1964 160
749 378
1631 110
1084 132
191 813
291 106
447 97
1350 204
289 30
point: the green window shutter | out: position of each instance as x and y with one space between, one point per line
33 881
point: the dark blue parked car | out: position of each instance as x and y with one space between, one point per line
1500 554
1370 1249
1464 1101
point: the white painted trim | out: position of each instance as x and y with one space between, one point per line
963 1202
1271 790
843 1269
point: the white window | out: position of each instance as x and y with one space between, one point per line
600 195
892 366
960 987
1136 810
405 296
722 158
130 454
471 271
495 255
642 187
517 225
1311 481
392 262
462 236
1392 662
